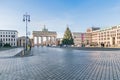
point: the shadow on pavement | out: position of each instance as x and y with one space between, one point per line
23 53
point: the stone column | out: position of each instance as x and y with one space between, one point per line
50 39
55 40
41 40
33 41
46 40
37 41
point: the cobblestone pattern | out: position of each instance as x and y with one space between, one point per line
62 64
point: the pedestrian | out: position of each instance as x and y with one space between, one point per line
30 47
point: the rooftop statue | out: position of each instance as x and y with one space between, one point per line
44 29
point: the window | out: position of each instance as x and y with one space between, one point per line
108 38
13 36
3 39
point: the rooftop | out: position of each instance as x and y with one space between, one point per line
10 30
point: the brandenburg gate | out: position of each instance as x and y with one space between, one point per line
49 36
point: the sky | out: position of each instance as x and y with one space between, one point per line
57 14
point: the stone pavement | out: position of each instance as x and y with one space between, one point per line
62 64
10 52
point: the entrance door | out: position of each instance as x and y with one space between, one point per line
113 40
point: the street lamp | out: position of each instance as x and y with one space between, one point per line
26 18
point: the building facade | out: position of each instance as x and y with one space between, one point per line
21 41
81 38
110 37
49 36
58 41
95 36
8 37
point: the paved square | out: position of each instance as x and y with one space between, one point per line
62 64
10 52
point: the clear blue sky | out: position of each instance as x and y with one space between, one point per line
56 14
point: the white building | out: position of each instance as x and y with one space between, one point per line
8 36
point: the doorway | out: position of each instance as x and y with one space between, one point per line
113 41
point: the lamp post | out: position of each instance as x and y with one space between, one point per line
26 18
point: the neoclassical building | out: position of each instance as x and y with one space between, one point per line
21 41
9 37
110 37
49 36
